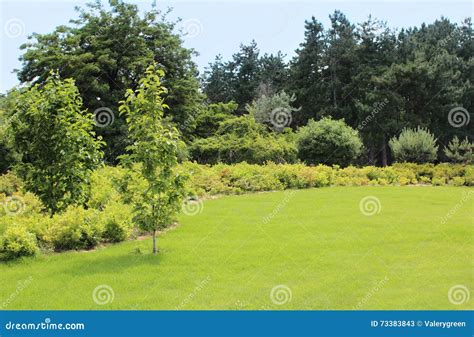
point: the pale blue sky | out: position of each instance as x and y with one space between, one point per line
218 27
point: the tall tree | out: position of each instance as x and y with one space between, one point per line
376 109
341 59
105 51
273 74
306 73
246 74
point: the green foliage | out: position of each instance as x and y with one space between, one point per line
9 183
7 107
274 111
414 146
210 116
20 204
109 217
105 51
53 137
154 148
16 242
116 221
377 79
242 139
76 228
245 77
243 177
328 142
460 152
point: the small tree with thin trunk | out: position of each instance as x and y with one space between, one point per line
153 154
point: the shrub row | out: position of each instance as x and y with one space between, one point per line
107 217
243 177
26 229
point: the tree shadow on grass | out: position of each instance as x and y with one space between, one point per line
113 263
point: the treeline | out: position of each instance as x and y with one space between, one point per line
257 108
378 80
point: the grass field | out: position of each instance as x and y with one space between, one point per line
314 248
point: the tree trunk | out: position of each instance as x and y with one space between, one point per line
384 153
155 250
371 155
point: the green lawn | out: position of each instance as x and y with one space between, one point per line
316 243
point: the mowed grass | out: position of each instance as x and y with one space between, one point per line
315 244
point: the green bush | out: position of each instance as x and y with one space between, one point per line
9 183
211 116
105 186
116 222
460 152
457 181
16 242
20 204
275 111
329 142
242 139
414 146
76 228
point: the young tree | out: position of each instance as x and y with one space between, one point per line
275 111
154 153
460 151
414 146
53 137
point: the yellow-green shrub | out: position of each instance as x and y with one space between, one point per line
16 242
76 228
116 222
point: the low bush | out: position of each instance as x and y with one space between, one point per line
76 228
16 242
20 204
116 222
328 141
9 183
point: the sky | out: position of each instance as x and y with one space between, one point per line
219 27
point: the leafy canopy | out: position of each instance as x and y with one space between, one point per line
53 138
